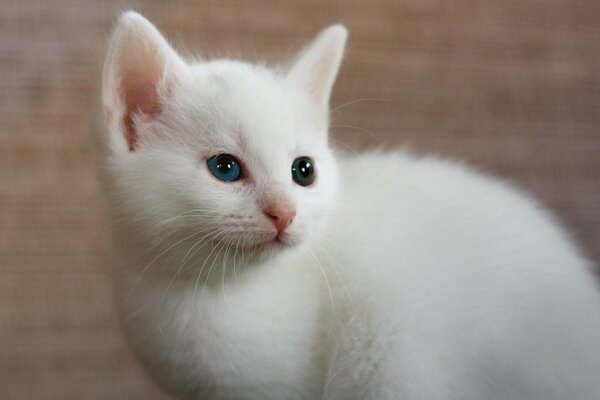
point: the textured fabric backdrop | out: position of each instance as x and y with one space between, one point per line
511 86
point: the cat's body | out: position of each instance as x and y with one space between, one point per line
393 277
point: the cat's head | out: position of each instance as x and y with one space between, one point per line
224 151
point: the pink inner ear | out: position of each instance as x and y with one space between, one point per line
140 99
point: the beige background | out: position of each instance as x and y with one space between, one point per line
512 86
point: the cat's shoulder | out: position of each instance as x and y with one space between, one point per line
403 166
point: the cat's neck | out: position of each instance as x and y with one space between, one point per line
208 284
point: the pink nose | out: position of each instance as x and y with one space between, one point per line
281 217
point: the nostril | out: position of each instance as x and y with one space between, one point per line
281 218
272 216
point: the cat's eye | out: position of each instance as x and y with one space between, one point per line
303 171
224 167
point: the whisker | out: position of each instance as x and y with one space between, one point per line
193 306
234 259
224 270
172 280
153 261
331 302
361 100
358 128
337 272
346 145
189 256
212 266
192 212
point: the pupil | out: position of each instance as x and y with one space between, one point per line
224 167
305 168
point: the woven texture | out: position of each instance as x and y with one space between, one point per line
510 86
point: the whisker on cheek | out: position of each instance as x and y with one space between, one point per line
220 246
145 269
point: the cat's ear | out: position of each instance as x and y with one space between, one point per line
316 67
140 70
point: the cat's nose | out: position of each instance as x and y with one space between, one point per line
280 216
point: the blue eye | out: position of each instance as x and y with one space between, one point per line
224 167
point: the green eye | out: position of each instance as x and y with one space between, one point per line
303 171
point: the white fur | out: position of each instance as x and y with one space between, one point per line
401 278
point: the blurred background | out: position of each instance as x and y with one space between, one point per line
510 86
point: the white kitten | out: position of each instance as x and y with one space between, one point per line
254 265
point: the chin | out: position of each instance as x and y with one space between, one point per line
260 252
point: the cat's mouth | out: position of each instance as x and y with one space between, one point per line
280 240
282 237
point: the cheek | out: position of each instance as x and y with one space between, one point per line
314 201
313 209
235 199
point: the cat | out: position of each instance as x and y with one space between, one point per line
253 262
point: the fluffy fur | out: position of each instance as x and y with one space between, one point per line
398 278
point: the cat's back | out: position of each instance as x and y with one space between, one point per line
431 203
465 276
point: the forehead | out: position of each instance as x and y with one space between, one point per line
250 102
